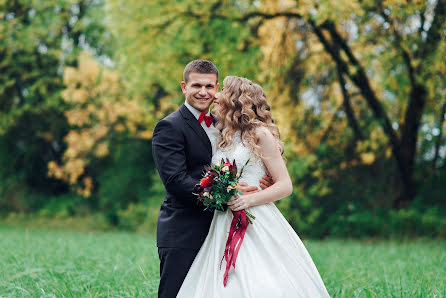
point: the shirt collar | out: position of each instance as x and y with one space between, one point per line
194 111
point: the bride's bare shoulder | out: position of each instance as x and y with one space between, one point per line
267 142
264 134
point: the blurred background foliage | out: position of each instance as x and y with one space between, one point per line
357 88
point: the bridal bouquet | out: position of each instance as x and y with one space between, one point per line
215 190
219 185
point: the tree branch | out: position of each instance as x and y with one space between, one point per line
347 107
399 45
422 22
434 32
360 79
269 16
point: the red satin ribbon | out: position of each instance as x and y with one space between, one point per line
236 234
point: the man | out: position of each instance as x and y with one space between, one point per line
182 144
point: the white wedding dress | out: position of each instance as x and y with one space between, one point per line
272 261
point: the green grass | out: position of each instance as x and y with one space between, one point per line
381 268
46 263
74 264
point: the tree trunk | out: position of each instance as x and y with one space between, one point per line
408 148
439 137
404 158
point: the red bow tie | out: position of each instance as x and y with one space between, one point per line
207 119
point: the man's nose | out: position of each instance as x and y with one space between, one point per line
203 90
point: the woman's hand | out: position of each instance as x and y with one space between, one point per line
239 203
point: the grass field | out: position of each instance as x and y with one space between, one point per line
48 263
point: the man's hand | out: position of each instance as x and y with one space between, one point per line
246 189
266 181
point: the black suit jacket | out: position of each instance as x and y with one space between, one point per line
181 149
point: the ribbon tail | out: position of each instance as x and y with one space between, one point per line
237 232
229 241
237 248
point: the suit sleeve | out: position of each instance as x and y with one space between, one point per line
168 149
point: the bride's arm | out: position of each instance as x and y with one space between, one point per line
275 165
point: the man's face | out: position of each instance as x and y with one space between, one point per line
200 90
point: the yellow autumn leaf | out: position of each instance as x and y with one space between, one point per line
367 158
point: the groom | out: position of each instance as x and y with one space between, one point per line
182 144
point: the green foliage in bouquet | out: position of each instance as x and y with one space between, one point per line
219 185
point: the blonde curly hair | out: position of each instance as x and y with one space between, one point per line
243 107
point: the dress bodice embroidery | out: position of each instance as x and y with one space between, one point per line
240 151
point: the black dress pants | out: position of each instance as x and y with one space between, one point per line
174 265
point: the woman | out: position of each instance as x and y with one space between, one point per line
272 261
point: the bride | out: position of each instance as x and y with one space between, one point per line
272 261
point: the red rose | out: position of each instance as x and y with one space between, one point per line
205 182
227 164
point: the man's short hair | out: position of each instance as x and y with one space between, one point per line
200 66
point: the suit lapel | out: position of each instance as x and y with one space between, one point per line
196 127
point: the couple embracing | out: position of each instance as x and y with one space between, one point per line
272 262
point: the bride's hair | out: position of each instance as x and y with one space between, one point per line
243 107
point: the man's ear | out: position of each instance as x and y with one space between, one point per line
217 86
183 86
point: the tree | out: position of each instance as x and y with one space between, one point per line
385 51
100 116
37 40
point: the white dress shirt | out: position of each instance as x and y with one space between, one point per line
211 131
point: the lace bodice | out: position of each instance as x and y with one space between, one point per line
253 171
